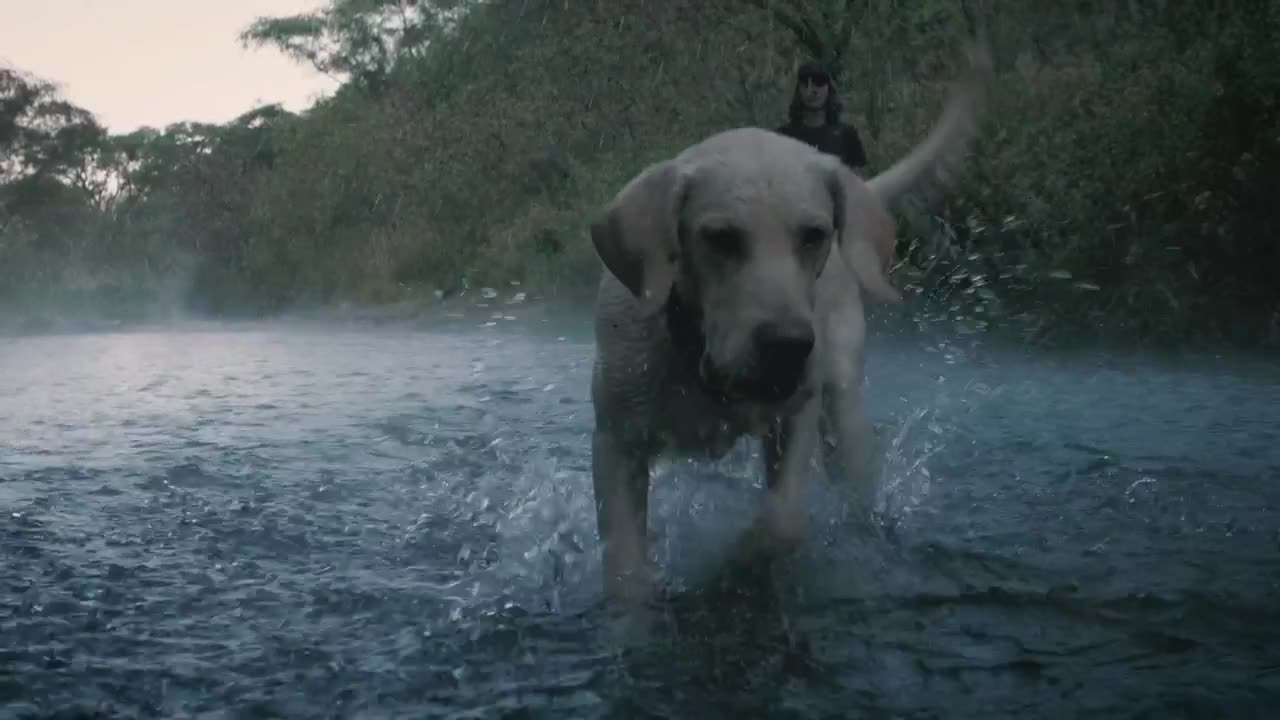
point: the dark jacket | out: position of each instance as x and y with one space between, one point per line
840 140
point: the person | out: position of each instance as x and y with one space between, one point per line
815 118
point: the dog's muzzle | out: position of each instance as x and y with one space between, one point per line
782 351
780 354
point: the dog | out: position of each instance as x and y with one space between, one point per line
731 303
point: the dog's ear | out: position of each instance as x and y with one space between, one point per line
636 236
866 233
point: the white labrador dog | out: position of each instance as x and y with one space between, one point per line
724 311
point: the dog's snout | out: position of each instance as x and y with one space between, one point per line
783 349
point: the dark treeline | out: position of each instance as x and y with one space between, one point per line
1126 180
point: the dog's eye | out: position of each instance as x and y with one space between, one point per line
724 240
812 237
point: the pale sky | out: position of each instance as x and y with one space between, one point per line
154 62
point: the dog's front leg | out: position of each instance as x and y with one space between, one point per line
854 448
620 479
843 414
788 448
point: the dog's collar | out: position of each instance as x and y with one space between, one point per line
684 324
688 343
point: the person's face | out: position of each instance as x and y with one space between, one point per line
814 90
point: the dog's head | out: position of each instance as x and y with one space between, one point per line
739 228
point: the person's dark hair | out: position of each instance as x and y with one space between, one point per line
796 110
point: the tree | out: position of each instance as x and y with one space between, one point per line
359 40
41 133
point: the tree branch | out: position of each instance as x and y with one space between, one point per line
801 26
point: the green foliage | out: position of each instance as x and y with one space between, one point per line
1124 181
1121 189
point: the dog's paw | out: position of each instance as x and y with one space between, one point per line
784 524
777 530
631 587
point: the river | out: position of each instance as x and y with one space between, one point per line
318 519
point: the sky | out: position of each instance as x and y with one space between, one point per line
136 63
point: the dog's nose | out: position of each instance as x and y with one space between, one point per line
783 348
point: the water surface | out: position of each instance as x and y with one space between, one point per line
275 520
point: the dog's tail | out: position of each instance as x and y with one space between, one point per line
947 144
